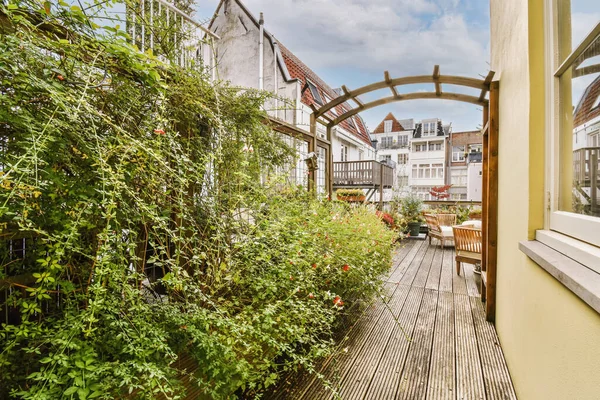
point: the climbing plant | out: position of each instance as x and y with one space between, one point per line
145 245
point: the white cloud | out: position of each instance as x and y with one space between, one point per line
406 37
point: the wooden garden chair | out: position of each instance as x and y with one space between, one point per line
467 242
439 227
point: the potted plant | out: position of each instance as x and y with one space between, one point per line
350 195
410 207
475 214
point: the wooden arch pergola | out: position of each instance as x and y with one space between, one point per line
490 147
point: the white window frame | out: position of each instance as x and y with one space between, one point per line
458 155
387 126
572 234
596 103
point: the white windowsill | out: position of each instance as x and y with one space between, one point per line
579 279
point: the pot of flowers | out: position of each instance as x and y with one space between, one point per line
410 207
350 195
475 214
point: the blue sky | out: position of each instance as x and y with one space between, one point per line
352 42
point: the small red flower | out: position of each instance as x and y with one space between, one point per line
291 262
311 296
183 327
159 131
60 77
346 268
314 266
291 278
338 301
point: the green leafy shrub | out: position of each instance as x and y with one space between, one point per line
148 234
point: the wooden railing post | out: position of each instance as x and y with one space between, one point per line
381 186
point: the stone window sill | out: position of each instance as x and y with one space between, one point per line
579 279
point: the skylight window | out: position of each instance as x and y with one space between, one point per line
597 102
315 92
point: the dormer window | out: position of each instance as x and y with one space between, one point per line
596 103
315 92
387 126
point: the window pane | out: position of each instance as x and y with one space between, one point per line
579 123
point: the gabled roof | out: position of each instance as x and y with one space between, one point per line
396 126
308 78
294 69
585 112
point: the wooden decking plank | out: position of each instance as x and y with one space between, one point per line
433 279
454 352
400 253
410 273
356 380
364 332
498 384
296 386
459 285
469 375
413 382
406 262
386 378
442 377
448 271
472 280
423 271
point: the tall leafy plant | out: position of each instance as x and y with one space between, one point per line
147 234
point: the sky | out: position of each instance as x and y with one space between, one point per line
352 42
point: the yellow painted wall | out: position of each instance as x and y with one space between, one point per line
550 338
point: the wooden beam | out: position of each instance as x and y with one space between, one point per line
487 81
358 102
436 80
329 164
448 79
485 129
388 80
409 96
484 204
492 253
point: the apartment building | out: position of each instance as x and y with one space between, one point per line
248 56
464 160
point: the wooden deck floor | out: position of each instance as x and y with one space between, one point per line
447 350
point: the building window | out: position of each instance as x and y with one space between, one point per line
314 92
402 181
343 152
420 147
428 171
458 153
361 155
596 103
387 126
402 159
429 129
575 184
403 140
458 177
475 148
386 142
439 146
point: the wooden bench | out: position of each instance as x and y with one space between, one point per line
439 227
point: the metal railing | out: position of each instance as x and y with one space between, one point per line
365 174
168 32
392 146
586 176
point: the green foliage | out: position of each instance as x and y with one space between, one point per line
149 236
410 208
349 193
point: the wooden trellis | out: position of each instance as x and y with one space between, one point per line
490 146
